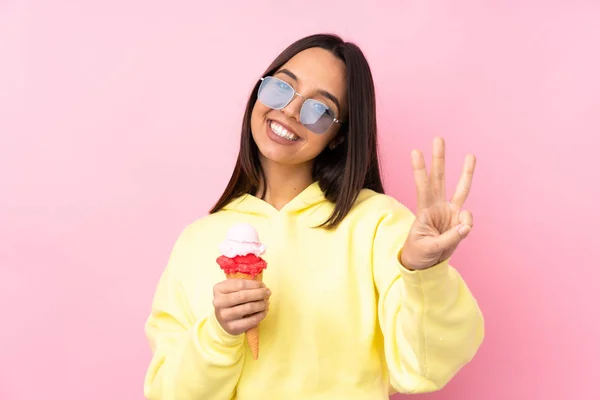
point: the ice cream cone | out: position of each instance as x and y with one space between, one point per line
252 335
241 259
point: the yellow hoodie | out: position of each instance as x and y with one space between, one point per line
346 320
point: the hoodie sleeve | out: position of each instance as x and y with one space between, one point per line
193 358
431 323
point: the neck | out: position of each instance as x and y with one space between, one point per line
284 182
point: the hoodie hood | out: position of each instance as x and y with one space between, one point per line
310 202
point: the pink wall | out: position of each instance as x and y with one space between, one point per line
107 111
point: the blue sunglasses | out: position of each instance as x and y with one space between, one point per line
314 115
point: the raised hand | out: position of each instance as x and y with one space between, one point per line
440 225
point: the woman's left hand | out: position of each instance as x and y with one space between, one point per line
440 225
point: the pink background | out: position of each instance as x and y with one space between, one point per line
108 109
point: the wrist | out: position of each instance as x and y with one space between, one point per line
403 262
409 263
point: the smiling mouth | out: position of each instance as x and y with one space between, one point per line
282 132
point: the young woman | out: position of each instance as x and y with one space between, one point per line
358 300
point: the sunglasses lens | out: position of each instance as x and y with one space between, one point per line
316 116
275 93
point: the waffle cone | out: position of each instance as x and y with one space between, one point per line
252 333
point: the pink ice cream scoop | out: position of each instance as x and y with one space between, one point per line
241 240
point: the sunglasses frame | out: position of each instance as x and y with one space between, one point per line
337 121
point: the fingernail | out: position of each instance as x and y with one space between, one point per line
268 292
463 230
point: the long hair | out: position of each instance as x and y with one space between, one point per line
342 172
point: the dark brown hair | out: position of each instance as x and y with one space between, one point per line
341 172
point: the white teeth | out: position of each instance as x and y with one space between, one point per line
282 132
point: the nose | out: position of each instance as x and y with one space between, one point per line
292 110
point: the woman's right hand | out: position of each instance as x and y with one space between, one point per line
240 304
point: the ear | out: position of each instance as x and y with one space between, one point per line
336 141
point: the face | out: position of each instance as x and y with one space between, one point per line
280 136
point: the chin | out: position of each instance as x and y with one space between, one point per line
273 152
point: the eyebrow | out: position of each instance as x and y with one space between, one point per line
323 93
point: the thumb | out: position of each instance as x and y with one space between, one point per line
452 237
